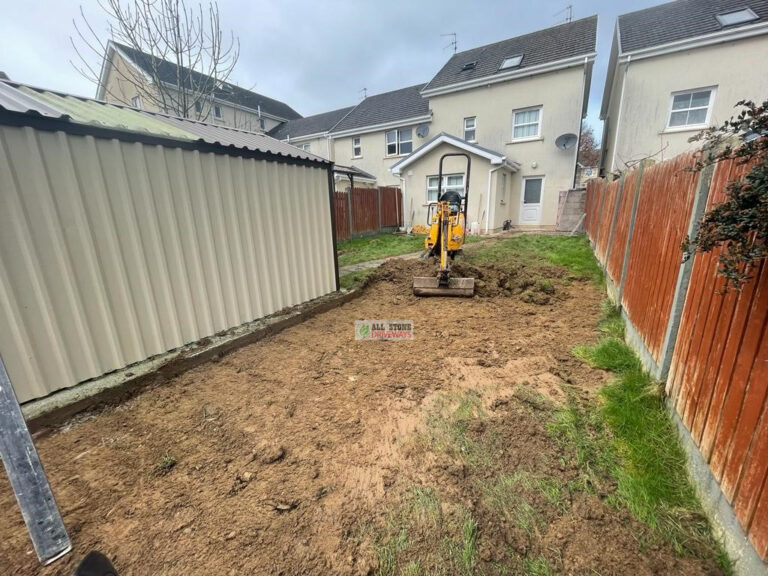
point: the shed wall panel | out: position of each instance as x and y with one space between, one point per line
112 252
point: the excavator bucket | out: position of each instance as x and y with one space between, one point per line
430 286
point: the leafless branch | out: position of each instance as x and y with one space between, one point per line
186 57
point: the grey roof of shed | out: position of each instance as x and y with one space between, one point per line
542 47
227 92
77 110
681 20
316 124
387 107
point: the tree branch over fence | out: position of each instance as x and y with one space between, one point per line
739 224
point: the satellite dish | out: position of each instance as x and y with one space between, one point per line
422 131
565 141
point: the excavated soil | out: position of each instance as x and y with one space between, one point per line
312 453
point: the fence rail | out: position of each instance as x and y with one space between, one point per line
366 210
710 347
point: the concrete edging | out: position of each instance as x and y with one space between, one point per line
122 384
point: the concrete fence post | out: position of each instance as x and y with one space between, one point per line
630 231
684 275
599 213
614 219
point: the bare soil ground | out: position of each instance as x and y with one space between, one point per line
312 453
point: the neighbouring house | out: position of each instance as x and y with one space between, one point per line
126 75
125 234
506 104
677 68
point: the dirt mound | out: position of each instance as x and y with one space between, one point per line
511 279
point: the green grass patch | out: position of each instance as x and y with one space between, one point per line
355 279
388 551
632 439
467 551
609 354
571 252
536 566
378 246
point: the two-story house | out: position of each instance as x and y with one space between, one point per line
126 78
505 104
677 68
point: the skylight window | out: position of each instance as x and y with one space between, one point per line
511 62
469 66
736 17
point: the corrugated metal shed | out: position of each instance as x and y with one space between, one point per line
13 100
25 99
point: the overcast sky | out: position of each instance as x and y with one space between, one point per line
315 55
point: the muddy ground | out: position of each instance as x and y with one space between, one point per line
312 453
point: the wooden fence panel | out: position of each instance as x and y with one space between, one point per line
661 223
615 260
391 207
342 215
610 196
365 210
594 193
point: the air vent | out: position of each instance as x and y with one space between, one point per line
469 66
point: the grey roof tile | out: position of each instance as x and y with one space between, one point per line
309 124
228 92
549 45
681 20
387 107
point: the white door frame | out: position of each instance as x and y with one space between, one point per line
522 198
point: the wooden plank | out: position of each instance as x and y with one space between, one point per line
755 472
746 424
735 398
758 531
733 342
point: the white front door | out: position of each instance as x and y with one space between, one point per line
531 199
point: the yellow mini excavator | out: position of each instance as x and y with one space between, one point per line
447 219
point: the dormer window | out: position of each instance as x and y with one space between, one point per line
511 62
469 66
736 17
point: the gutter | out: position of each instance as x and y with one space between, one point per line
383 126
496 78
698 42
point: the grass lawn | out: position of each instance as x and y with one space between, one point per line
571 252
383 245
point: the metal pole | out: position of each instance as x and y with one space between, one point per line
33 493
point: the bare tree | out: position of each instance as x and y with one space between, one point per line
165 31
589 151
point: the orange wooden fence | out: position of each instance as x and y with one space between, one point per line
710 347
365 210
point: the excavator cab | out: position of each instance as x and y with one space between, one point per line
447 231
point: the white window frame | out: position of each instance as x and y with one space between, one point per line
398 142
198 107
357 149
685 127
307 147
473 128
136 101
537 136
217 112
445 187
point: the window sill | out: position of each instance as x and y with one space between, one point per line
396 156
522 140
692 128
356 157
